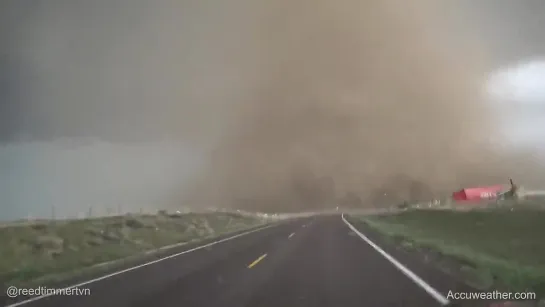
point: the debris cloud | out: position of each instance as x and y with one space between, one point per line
290 105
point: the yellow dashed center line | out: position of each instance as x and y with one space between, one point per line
257 261
292 234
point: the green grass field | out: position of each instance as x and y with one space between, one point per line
492 248
51 250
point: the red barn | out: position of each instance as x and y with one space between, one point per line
479 193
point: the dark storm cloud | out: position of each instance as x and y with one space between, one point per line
89 59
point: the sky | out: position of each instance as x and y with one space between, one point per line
516 81
264 104
519 90
522 83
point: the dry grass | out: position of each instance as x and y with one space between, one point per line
48 248
500 248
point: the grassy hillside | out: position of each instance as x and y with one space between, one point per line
49 250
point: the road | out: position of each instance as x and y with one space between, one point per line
315 262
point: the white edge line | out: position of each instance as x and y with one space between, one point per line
140 266
417 280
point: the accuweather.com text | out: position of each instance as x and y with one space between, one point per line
492 295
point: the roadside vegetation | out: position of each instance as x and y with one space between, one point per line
499 247
53 250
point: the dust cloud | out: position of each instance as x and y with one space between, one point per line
292 105
363 103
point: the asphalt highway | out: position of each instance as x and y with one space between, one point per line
314 262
